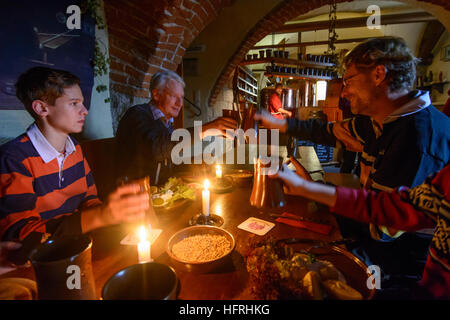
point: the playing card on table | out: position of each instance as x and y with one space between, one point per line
257 226
133 238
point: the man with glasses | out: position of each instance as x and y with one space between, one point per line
401 136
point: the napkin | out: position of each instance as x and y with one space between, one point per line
133 238
312 226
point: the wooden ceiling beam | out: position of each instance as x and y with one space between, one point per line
307 44
356 22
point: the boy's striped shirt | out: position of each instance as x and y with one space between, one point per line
36 196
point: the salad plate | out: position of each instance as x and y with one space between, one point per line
174 194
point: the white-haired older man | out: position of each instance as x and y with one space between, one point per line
143 134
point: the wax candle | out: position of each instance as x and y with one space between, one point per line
218 171
144 246
205 198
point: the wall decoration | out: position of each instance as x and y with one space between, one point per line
35 33
446 53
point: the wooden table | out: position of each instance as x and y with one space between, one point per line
230 282
349 180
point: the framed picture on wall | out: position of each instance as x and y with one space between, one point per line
39 37
445 56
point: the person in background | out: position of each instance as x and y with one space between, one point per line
46 186
143 138
275 106
426 205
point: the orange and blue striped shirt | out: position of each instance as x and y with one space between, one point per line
40 195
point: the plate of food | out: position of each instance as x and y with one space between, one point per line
173 194
284 271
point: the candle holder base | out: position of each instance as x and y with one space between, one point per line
145 260
211 220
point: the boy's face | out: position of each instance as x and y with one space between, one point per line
68 113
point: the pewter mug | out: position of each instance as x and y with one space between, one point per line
63 269
267 192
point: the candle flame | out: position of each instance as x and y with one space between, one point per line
218 171
206 184
142 234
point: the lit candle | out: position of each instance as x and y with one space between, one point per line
218 171
144 245
205 198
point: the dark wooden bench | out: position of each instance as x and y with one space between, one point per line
100 156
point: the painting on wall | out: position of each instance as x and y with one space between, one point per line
36 33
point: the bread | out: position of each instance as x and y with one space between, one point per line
17 289
311 284
339 290
328 273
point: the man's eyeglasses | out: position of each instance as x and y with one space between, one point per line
345 80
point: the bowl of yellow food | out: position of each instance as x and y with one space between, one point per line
200 249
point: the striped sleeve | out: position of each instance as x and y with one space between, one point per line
380 208
91 198
344 132
406 209
314 130
18 217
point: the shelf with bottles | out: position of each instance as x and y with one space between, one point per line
246 76
247 89
310 60
245 97
296 76
251 92
251 84
300 73
247 85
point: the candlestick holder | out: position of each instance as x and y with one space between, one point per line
209 220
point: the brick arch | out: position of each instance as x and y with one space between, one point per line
285 11
147 35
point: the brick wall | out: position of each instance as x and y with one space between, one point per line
147 35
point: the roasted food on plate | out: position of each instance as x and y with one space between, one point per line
278 272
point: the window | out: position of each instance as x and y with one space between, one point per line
321 90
